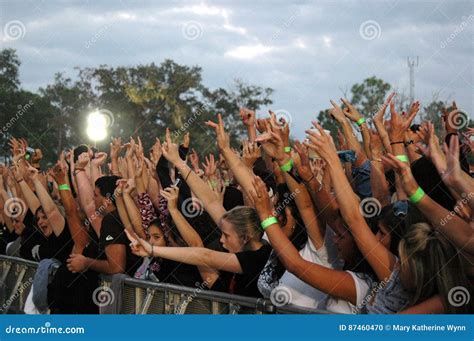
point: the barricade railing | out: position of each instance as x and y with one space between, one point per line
142 297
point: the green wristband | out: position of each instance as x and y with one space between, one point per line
403 158
360 121
417 196
287 166
64 187
287 149
268 222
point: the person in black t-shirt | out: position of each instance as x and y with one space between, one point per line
112 240
241 236
165 270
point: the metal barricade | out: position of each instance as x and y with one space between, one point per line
142 297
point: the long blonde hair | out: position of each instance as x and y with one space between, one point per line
434 265
246 223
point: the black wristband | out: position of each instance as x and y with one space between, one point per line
398 142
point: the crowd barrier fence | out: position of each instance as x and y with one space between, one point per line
140 296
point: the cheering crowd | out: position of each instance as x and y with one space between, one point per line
379 221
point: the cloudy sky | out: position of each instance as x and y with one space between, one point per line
308 51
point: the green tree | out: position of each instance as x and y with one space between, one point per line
369 95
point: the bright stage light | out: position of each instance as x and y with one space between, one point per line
96 126
96 119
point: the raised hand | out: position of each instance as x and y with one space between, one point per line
32 173
337 112
272 143
139 246
322 143
99 159
129 186
432 150
155 152
403 169
82 161
281 127
59 173
258 194
378 117
350 111
399 124
210 166
250 153
248 117
262 124
130 148
171 195
115 147
302 164
453 171
170 150
222 137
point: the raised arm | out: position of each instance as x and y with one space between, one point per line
211 203
198 256
31 199
335 283
78 232
452 226
132 210
55 217
248 118
241 172
85 192
379 123
190 236
354 115
352 141
378 182
380 259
